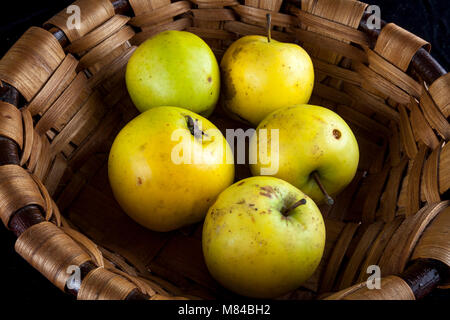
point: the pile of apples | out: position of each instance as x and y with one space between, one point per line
170 166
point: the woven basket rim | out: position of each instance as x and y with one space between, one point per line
29 217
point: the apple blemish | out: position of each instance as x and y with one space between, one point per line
337 134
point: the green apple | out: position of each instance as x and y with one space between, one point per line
174 68
263 237
260 76
314 145
167 166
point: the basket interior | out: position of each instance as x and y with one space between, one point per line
386 115
85 198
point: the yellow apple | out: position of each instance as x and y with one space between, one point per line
263 237
174 68
261 76
167 166
312 140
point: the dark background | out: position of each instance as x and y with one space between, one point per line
429 19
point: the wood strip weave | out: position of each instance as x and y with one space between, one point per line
39 54
392 288
435 241
398 45
36 244
17 190
92 15
58 82
102 284
98 35
11 123
402 244
440 93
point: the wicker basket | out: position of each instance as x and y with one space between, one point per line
63 100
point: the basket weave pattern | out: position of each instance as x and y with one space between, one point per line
64 100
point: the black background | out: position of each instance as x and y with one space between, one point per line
429 19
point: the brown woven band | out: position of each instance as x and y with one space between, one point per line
392 288
33 244
29 217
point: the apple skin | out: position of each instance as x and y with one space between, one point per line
174 68
153 190
308 142
260 77
251 248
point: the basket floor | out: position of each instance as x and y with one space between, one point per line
177 256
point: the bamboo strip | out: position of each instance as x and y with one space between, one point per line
435 242
215 3
63 109
17 190
160 14
434 115
329 44
241 28
392 288
56 171
101 50
420 126
212 34
365 243
106 73
39 54
214 14
92 15
180 24
414 182
388 200
393 74
253 15
378 246
11 123
430 181
98 35
380 83
28 136
337 72
363 99
102 284
339 30
439 91
51 251
57 83
44 160
84 121
362 120
402 243
407 134
337 256
444 169
398 45
36 150
373 195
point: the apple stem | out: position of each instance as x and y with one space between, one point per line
269 26
328 199
194 128
295 205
